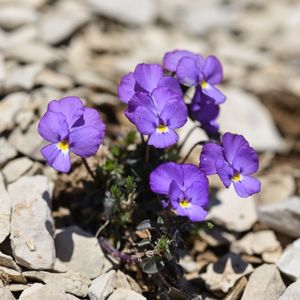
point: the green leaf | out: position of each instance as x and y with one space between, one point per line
152 265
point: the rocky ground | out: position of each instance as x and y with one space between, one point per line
49 49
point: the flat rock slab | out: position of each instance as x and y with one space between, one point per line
79 251
103 286
222 275
137 12
283 217
5 294
5 211
39 291
73 283
8 262
31 222
16 168
251 119
264 284
125 294
7 151
292 292
233 212
289 262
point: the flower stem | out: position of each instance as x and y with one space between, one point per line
88 168
191 150
116 253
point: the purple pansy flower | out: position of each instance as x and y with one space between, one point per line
158 115
187 188
234 161
195 70
70 126
204 110
145 78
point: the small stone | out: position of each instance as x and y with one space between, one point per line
5 293
16 168
73 283
60 23
236 292
13 16
31 222
33 52
264 283
8 262
275 188
11 275
29 143
121 281
17 287
256 243
102 286
50 78
188 264
252 119
7 151
125 294
216 237
222 275
5 211
233 212
289 261
283 217
126 11
83 255
46 292
22 77
292 292
9 107
24 119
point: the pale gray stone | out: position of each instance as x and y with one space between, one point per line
29 143
125 294
79 251
264 283
283 217
233 212
129 11
289 261
14 15
222 275
50 78
73 283
16 168
63 21
24 119
5 293
102 286
8 262
256 243
31 222
22 77
7 151
12 275
5 211
46 292
251 119
9 107
33 52
292 292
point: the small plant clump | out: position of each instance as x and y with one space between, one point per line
146 200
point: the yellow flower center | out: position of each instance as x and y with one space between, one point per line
236 177
184 203
63 145
204 84
161 128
